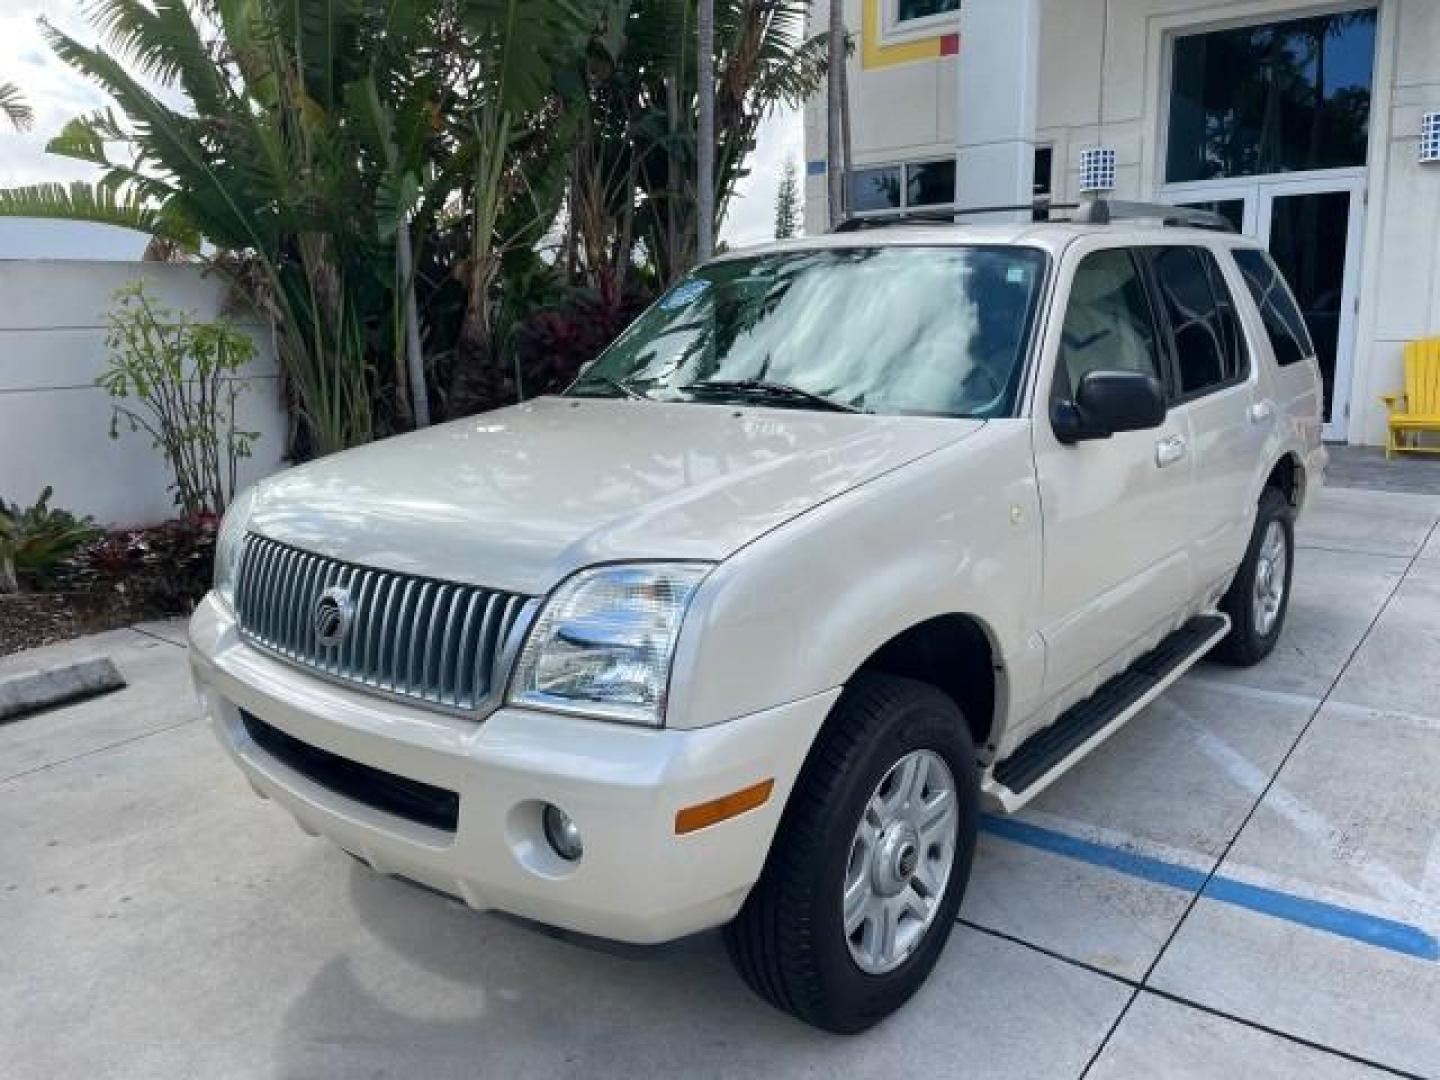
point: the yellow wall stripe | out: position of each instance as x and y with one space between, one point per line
874 55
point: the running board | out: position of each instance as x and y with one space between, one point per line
1049 753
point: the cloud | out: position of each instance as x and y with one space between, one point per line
53 90
751 219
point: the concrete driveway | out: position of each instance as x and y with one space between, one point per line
1246 880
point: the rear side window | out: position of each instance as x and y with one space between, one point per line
1108 324
1209 346
1284 325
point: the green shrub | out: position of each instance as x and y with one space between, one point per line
37 540
185 379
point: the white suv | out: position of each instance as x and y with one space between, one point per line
844 539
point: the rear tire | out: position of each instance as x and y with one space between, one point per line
1259 597
863 838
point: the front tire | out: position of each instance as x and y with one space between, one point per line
1259 596
866 874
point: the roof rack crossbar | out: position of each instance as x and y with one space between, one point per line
945 215
1090 212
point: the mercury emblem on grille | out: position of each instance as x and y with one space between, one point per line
332 616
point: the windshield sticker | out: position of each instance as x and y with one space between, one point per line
684 294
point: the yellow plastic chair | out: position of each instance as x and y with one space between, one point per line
1418 409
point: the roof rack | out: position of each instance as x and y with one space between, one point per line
1040 208
1089 212
1105 211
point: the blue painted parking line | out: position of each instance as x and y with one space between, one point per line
1331 918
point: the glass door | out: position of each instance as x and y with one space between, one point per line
1312 228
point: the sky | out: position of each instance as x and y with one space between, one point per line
57 94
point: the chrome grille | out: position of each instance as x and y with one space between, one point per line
433 641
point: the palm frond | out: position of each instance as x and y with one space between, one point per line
14 107
211 190
84 138
98 204
164 42
525 42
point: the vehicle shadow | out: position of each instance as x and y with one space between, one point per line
444 991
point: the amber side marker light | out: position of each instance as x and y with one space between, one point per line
705 814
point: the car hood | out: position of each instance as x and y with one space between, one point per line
517 499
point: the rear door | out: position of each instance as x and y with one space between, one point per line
1116 548
1214 386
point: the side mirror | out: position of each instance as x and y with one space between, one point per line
1107 402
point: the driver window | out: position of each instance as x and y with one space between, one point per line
1108 324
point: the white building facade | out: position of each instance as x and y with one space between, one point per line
1310 125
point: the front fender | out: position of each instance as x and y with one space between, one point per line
798 611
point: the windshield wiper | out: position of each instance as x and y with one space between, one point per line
765 388
614 384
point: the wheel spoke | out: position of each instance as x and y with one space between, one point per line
857 904
903 785
926 881
915 904
936 818
889 918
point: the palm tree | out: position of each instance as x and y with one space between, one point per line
763 60
787 202
511 153
705 131
14 107
835 113
633 184
323 142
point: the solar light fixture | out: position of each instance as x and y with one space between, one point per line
1430 138
1097 169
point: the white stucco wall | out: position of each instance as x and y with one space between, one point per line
55 423
898 111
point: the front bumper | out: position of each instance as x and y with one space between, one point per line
637 881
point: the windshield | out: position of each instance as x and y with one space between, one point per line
892 330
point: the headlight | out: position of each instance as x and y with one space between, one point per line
603 642
229 542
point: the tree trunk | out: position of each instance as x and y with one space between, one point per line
705 135
414 357
672 182
835 114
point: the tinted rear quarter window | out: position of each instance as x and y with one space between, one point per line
1284 325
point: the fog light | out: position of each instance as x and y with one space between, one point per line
563 834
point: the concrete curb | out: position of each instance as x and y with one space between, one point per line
32 691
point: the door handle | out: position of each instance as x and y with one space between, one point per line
1261 411
1169 451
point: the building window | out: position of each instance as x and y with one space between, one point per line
930 183
909 186
1277 98
875 189
910 10
1044 171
